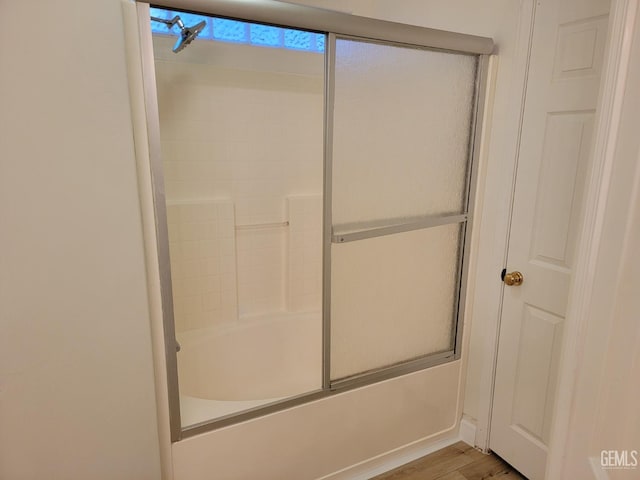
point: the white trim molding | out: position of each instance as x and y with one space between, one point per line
494 228
468 430
140 136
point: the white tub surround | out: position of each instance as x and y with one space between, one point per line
243 364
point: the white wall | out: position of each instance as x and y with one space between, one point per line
76 375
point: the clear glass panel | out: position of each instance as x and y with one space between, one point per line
402 120
393 298
242 148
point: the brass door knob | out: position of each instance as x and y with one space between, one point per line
513 279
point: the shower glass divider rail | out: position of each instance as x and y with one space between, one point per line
329 85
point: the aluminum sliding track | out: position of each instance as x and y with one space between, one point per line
319 20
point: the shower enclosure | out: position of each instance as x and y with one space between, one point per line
313 179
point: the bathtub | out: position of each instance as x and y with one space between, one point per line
246 363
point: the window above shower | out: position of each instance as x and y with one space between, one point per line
235 31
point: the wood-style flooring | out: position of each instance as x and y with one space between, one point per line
456 462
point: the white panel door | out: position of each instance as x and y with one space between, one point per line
564 75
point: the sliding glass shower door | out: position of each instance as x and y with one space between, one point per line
239 199
400 175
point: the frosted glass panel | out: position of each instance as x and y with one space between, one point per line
393 298
402 119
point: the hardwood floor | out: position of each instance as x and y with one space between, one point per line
456 462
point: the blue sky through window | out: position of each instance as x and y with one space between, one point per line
225 30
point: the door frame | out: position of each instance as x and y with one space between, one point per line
582 295
496 224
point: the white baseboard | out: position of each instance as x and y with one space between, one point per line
468 431
596 468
